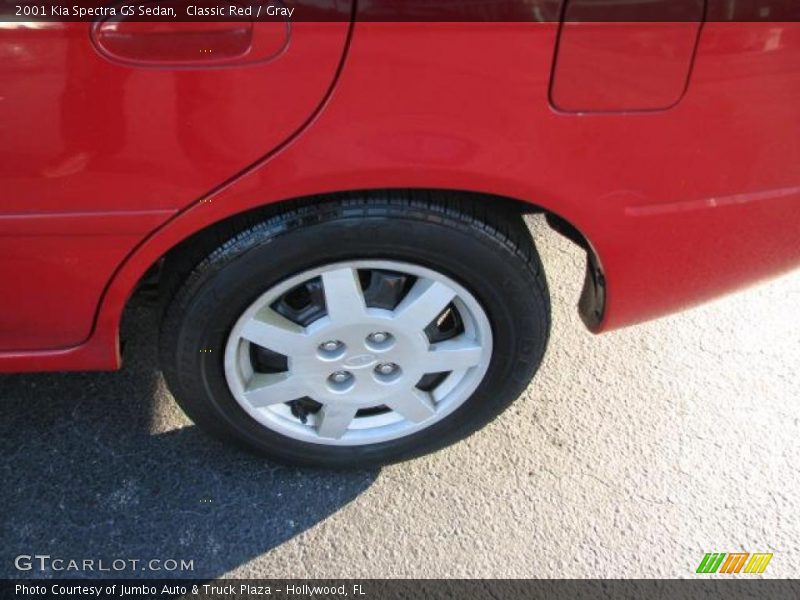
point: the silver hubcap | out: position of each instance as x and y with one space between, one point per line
354 373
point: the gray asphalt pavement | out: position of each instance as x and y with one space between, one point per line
631 455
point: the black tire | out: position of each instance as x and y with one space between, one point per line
490 253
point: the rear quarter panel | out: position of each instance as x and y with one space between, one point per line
680 205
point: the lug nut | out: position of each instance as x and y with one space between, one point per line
340 377
331 346
386 368
379 339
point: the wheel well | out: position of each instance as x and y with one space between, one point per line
167 274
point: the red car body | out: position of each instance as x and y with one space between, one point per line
669 148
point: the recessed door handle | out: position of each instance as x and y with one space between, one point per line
189 44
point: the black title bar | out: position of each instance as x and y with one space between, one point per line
33 11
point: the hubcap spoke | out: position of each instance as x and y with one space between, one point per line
453 355
414 405
275 332
344 298
334 419
423 303
267 390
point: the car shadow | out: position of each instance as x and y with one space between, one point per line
104 466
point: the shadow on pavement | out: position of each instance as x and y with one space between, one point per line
84 477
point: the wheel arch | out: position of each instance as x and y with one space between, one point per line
180 258
101 351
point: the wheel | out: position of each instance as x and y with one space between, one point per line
358 331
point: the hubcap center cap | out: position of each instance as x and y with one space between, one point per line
376 359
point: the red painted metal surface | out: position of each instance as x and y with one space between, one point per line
88 136
680 205
604 67
627 65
